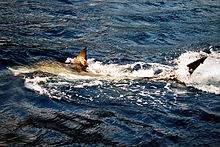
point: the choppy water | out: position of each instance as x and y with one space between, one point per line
117 103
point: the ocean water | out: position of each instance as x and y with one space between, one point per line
137 90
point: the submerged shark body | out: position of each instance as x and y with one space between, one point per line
52 67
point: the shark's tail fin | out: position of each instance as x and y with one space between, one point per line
81 60
192 66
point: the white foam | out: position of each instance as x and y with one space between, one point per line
118 71
33 84
206 77
89 84
182 71
70 60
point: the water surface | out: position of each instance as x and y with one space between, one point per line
118 104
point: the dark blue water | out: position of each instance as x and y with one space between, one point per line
126 40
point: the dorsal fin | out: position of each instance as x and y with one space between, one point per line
83 54
81 60
192 66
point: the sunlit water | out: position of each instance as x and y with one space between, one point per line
128 96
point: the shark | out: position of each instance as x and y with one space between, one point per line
46 67
79 66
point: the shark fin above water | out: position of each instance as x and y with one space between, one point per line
81 60
83 54
192 66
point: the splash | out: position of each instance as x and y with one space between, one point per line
33 84
182 71
206 77
120 71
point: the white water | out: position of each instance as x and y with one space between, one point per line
206 77
119 71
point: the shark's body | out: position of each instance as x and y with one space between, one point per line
79 65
